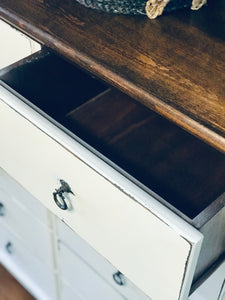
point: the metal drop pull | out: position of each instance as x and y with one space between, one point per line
9 247
2 210
59 197
119 278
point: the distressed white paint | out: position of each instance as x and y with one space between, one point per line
14 45
145 244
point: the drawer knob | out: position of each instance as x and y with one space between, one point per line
9 247
59 197
119 278
2 210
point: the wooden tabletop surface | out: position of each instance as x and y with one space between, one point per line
175 64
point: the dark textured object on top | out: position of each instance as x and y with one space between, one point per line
152 8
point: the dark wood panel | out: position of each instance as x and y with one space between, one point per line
174 64
186 172
10 289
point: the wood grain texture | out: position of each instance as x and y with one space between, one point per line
10 288
183 170
174 65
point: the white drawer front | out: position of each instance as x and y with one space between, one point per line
67 293
97 262
145 249
84 279
33 233
31 272
213 287
22 198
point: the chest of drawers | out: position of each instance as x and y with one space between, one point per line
143 193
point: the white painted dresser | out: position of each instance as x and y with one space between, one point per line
74 225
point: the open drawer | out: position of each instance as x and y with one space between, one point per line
137 180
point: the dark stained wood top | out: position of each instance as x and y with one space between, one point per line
175 64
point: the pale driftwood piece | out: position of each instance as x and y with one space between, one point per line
196 4
155 8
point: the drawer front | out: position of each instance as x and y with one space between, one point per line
66 292
83 278
33 233
22 198
102 266
131 237
213 287
31 272
222 292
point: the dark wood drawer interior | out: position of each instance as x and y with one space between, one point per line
185 172
174 164
50 83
